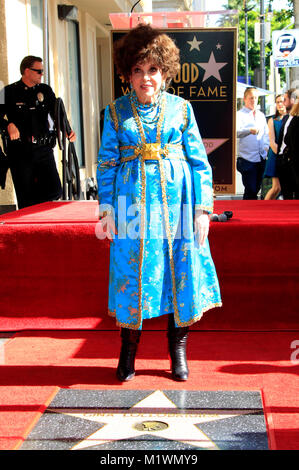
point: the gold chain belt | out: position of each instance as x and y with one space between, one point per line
152 152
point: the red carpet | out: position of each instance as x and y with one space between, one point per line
54 270
36 363
54 283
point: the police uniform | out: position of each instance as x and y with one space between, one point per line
31 157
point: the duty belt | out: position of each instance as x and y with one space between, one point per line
153 152
45 140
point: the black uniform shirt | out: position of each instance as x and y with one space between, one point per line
28 108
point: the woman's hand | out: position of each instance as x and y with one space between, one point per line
72 136
201 226
108 229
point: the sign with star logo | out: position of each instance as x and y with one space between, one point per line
207 79
151 420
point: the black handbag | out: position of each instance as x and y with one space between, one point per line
4 166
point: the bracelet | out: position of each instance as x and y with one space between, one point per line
201 211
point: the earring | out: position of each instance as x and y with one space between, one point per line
131 89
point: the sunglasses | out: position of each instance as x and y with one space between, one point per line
39 71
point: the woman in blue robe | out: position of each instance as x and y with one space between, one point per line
155 196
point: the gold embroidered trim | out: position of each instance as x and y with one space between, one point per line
168 146
199 316
185 116
128 158
168 233
127 147
108 164
141 250
160 122
138 123
114 115
187 323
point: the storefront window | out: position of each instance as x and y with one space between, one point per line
36 32
75 87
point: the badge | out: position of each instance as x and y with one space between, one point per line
40 97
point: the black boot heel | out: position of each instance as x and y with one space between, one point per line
126 365
177 343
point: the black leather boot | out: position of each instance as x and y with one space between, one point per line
126 365
177 342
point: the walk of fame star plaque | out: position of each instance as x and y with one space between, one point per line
150 420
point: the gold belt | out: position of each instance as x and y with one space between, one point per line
154 152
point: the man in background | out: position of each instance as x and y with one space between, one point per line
253 140
290 97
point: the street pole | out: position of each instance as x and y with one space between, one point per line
246 10
45 42
246 42
262 53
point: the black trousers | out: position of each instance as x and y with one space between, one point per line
288 178
34 173
252 176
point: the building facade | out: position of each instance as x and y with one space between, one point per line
76 51
77 62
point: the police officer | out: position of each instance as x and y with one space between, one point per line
27 117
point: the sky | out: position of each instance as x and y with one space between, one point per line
276 4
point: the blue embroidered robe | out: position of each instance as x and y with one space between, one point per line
156 265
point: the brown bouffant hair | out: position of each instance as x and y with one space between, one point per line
146 44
